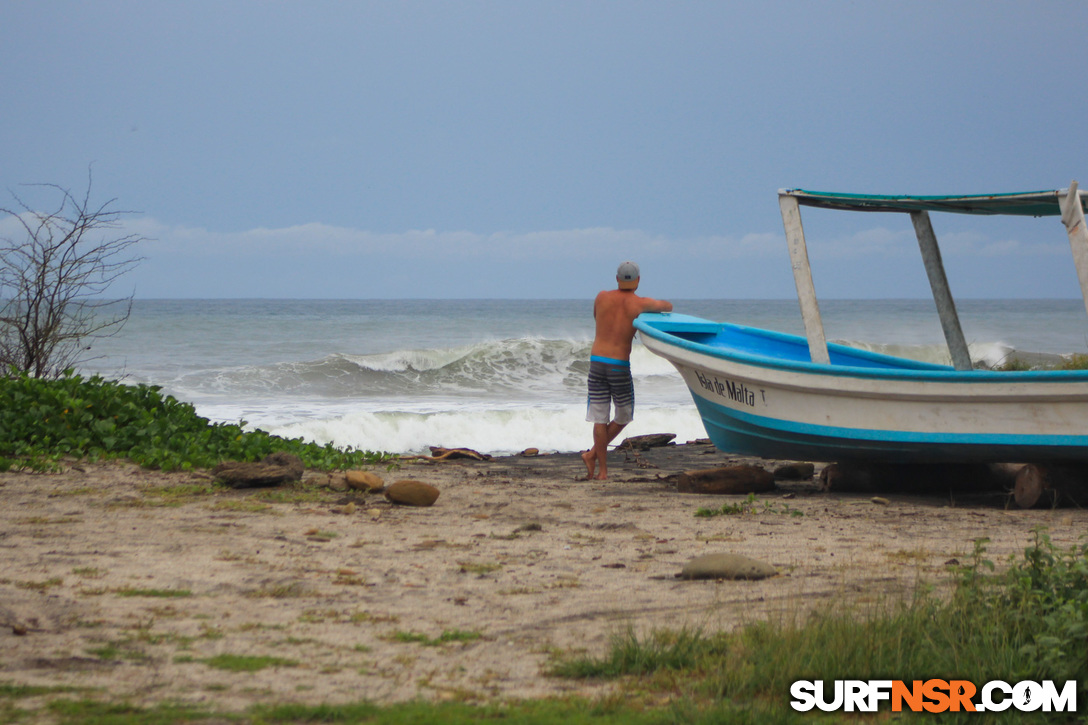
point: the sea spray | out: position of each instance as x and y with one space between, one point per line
488 431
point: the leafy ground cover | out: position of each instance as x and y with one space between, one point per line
43 421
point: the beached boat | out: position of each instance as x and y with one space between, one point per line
776 395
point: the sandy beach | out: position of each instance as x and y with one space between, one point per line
139 586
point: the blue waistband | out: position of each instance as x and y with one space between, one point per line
609 361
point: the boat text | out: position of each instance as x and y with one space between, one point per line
737 392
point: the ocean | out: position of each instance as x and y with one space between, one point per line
497 376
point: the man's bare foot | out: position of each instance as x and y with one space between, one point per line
590 459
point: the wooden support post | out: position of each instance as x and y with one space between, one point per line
1073 219
802 278
942 295
1046 485
872 477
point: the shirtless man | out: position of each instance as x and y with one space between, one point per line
610 364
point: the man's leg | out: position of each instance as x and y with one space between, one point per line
602 436
590 458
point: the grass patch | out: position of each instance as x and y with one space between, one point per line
40 586
903 556
295 493
126 650
159 593
364 617
750 506
662 650
290 590
246 663
88 711
11 690
81 491
244 506
480 568
45 520
570 711
447 637
180 494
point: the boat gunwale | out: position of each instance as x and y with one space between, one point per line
907 369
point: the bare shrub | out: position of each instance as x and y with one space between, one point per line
54 278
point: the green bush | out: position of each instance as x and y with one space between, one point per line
1048 594
43 421
1077 361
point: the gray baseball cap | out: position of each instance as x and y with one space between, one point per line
627 275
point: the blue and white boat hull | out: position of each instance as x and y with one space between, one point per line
759 394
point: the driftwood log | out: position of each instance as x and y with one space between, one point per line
273 470
645 442
445 454
794 471
868 477
1042 485
740 479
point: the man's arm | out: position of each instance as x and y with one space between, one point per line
649 304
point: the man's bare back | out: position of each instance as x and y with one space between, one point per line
615 312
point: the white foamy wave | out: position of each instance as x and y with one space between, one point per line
646 364
502 368
988 354
935 353
399 361
488 431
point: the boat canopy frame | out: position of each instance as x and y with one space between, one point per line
1035 203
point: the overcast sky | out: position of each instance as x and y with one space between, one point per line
518 149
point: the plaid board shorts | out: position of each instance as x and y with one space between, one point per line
610 382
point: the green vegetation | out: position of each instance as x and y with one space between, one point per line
162 593
245 663
571 711
749 506
1013 365
1029 623
479 568
449 635
1076 361
44 421
40 586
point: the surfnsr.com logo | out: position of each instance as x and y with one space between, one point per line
933 696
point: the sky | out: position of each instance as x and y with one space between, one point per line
524 148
